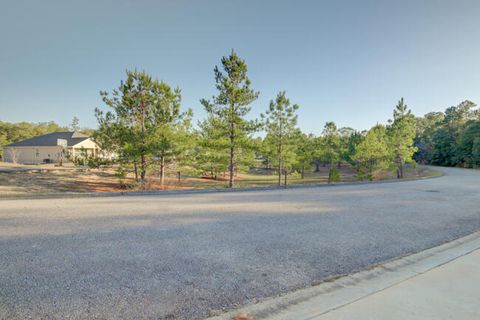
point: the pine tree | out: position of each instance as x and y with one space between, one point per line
372 153
280 123
401 132
231 105
142 125
305 151
75 125
331 149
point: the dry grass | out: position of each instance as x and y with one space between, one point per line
63 181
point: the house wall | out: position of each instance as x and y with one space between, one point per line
32 154
54 153
84 148
87 144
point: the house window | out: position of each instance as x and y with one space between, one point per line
37 153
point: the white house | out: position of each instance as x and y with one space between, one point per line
52 147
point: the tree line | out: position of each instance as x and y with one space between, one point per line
450 138
146 128
148 131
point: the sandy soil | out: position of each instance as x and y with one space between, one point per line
48 179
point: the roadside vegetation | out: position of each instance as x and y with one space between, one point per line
157 146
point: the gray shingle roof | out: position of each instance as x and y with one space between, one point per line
51 140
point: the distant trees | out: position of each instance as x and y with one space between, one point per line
469 144
231 105
450 138
75 124
13 132
280 121
425 127
145 125
146 128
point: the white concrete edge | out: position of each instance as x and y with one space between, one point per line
311 302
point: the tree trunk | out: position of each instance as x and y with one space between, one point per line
162 170
143 168
232 156
330 172
317 166
286 175
135 169
279 164
303 171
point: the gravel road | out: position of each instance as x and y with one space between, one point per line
181 256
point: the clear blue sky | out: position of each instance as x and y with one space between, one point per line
342 61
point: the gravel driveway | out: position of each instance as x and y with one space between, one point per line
180 256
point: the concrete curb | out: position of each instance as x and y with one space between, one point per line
67 195
312 302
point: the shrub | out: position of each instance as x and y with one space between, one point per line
333 175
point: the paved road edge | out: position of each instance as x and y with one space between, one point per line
311 302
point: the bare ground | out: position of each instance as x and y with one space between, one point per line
48 179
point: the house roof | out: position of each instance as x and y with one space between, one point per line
51 140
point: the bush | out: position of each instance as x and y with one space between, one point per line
333 175
95 162
364 174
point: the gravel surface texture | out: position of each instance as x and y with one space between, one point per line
185 256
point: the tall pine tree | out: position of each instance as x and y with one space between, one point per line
280 123
401 132
231 105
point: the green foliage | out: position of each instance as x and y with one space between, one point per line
373 153
467 149
443 152
349 140
448 138
475 156
425 128
333 175
212 149
230 107
305 152
280 122
401 132
75 125
145 122
330 144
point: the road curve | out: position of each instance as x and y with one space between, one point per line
179 256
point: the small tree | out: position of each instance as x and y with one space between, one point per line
372 152
145 117
75 125
14 154
211 152
231 105
401 132
305 151
331 149
280 123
